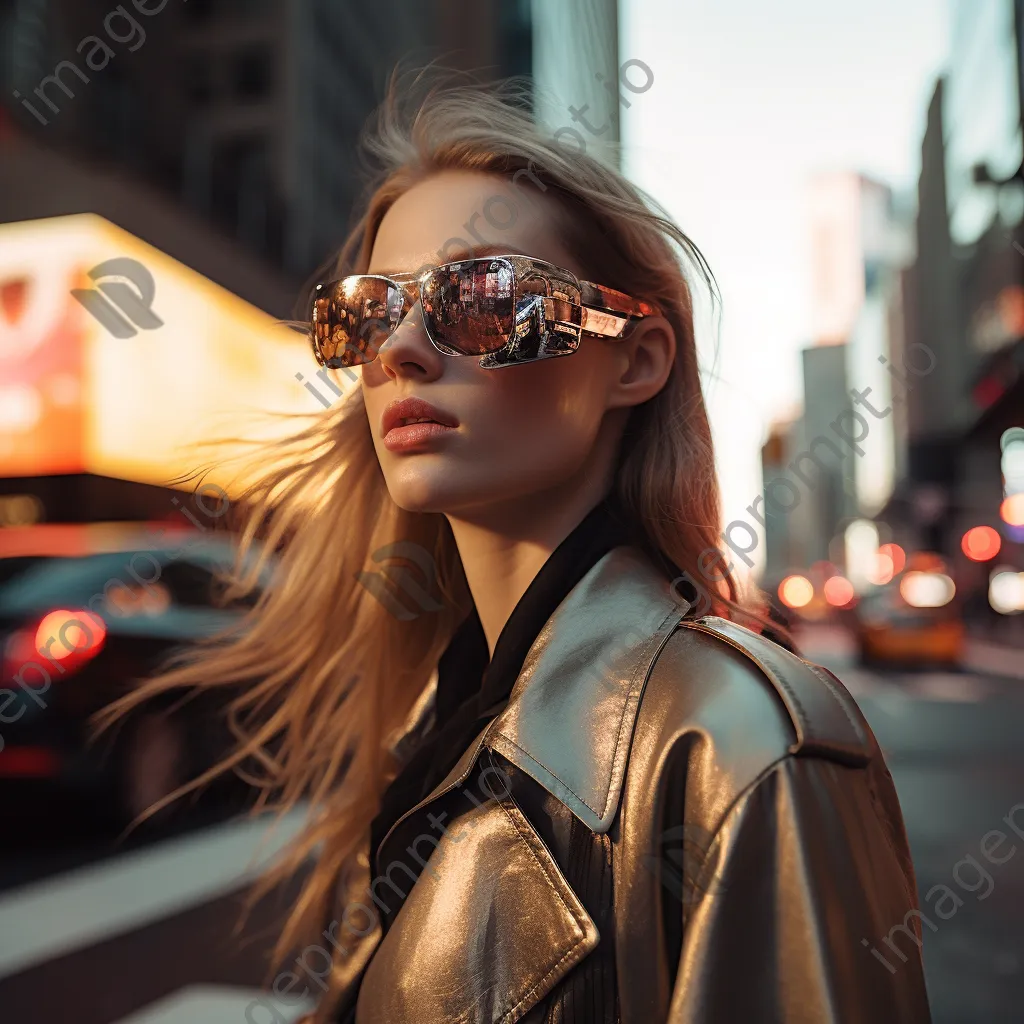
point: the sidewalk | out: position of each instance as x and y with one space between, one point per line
994 659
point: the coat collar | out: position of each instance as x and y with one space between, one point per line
569 722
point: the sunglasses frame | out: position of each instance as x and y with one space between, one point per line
562 310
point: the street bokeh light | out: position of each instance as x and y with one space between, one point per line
927 589
896 555
1012 510
796 591
838 591
70 632
1006 591
883 569
981 543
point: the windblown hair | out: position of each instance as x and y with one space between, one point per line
324 673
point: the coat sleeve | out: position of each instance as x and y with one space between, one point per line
805 908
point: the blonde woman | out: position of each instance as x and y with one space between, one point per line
551 778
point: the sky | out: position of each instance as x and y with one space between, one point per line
748 99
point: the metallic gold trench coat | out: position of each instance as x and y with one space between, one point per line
726 773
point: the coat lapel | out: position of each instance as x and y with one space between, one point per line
490 926
569 723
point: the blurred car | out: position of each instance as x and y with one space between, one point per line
913 619
78 630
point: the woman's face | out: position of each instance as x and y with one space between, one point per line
521 431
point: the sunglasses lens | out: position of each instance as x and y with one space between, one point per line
470 307
352 318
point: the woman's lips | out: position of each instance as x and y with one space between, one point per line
401 434
415 435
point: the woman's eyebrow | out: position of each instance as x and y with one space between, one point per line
480 252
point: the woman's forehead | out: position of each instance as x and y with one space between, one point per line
461 215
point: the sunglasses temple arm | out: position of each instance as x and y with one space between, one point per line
593 321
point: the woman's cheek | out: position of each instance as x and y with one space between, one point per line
548 437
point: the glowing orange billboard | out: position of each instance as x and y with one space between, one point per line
97 376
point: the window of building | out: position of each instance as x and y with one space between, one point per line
198 12
201 12
199 79
252 72
117 118
241 188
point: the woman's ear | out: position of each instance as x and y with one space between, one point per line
644 359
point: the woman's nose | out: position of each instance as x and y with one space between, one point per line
408 352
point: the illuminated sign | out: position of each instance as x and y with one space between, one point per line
77 396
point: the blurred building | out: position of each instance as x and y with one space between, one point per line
957 314
825 461
963 299
840 457
981 108
245 113
861 240
788 517
984 153
578 87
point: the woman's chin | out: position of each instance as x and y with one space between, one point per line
426 496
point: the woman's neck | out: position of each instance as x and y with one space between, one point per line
502 550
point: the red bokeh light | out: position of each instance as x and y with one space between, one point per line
896 555
981 543
838 591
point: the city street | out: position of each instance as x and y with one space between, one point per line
953 743
146 935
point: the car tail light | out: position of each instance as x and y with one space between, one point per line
63 638
28 762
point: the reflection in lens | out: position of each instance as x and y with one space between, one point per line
353 318
468 307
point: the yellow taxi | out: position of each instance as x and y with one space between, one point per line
913 619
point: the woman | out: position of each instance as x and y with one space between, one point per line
546 784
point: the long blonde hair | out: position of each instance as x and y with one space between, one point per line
328 673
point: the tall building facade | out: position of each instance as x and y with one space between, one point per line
579 94
844 458
981 110
960 314
831 481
